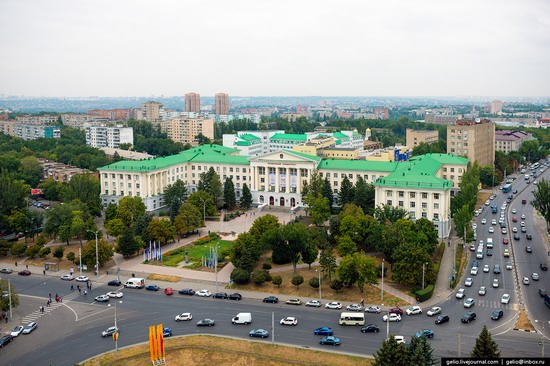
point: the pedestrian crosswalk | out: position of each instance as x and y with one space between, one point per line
48 309
496 304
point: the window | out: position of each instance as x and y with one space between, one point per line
436 196
424 215
120 176
105 175
113 176
413 204
452 170
335 183
444 169
400 203
401 194
412 195
436 206
106 191
436 217
129 185
389 193
424 205
412 215
137 185
424 195
388 202
230 170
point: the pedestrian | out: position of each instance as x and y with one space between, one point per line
50 295
90 286
78 287
72 287
133 275
79 291
6 318
26 266
44 272
16 263
107 272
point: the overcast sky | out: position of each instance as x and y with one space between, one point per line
275 47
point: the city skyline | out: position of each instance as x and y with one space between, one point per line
246 48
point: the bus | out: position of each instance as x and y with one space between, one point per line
507 188
352 319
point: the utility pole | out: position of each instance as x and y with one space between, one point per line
96 253
454 262
9 294
80 256
388 326
272 327
459 344
216 263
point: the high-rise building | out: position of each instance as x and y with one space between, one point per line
496 106
100 136
193 102
222 103
186 129
473 139
150 111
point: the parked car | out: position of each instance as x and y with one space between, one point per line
187 291
370 328
323 331
5 340
434 311
30 328
271 299
203 293
206 323
293 302
220 295
314 303
184 317
354 307
397 310
67 277
258 333
330 340
235 296
442 319
333 305
392 318
414 310
24 272
289 320
6 270
425 332
168 291
17 330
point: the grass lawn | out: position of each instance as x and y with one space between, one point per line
211 350
195 252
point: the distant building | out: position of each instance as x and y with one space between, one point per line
416 137
32 132
77 120
382 113
496 107
126 154
101 136
441 119
473 139
112 114
192 102
186 130
222 103
508 141
150 111
32 119
60 172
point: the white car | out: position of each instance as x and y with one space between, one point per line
460 293
469 302
491 229
82 279
486 268
525 280
333 305
523 216
102 298
493 221
474 226
414 310
514 211
482 291
504 231
469 282
314 303
67 277
495 283
505 299
487 203
535 276
473 271
434 311
17 330
373 309
115 294
354 307
522 224
184 317
393 317
400 339
203 293
289 320
514 229
483 221
509 265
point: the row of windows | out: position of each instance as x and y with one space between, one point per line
452 170
350 176
401 194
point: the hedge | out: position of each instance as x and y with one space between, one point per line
423 295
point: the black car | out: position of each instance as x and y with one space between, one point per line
542 292
543 266
370 328
152 288
220 295
114 283
497 314
205 323
475 263
271 299
187 291
489 252
529 237
5 340
468 317
516 236
442 319
235 296
515 191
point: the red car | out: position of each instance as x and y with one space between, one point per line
168 291
25 272
505 241
514 219
396 311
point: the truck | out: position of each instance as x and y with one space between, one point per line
494 209
242 318
135 283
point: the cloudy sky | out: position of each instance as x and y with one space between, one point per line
275 47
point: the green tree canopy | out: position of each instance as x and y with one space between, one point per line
246 197
161 230
105 253
203 201
541 200
86 188
391 354
130 209
229 193
485 346
263 224
346 193
189 219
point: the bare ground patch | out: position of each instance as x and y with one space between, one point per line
161 277
523 321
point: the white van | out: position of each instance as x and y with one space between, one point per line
526 176
489 243
242 318
135 283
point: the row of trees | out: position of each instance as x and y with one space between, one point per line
463 204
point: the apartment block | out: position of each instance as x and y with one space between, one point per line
508 141
32 119
101 136
222 103
150 111
416 137
192 102
186 129
441 119
32 132
473 139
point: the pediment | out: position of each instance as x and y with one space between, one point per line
285 156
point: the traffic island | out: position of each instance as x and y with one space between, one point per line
523 323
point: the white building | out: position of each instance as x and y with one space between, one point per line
101 136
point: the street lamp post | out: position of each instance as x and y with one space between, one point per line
96 253
382 289
320 291
116 327
423 274
542 334
388 326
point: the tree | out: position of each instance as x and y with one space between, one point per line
346 246
485 346
327 261
297 238
105 253
347 271
246 197
13 193
277 281
364 195
262 225
65 233
202 140
367 269
111 212
259 276
319 210
130 209
51 189
530 149
86 188
246 252
189 219
310 253
337 285
391 353
410 259
462 219
273 238
488 176
541 200
346 193
127 244
327 193
297 280
32 251
5 300
115 227
18 249
240 276
78 226
314 282
229 193
70 256
389 213
44 252
174 196
210 182
421 352
19 222
203 201
161 230
58 252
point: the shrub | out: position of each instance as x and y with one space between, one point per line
266 266
41 240
336 285
297 281
240 276
32 251
314 282
423 295
44 252
18 249
268 277
258 277
70 256
277 281
58 252
4 247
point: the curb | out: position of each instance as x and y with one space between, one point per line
526 330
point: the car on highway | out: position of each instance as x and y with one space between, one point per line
460 293
489 252
24 272
153 288
528 249
434 311
314 303
333 305
115 294
468 317
289 320
506 253
323 331
6 270
400 339
543 266
514 219
109 331
474 226
505 241
442 319
535 276
373 309
514 229
522 224
525 280
187 291
469 282
114 283
354 307
203 293
396 310
523 229
497 314
183 317
29 328
496 269
220 295
489 244
167 332
330 340
516 237
483 221
493 221
271 299
393 317
428 333
17 330
495 282
542 292
523 216
509 265
102 298
514 211
529 237
487 203
469 302
414 310
5 340
207 322
293 302
258 333
505 299
482 291
168 291
370 328
475 263
82 279
504 231
486 268
235 296
472 247
473 271
491 229
67 277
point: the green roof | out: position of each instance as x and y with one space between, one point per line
243 143
289 136
307 156
249 137
444 159
414 180
340 135
362 165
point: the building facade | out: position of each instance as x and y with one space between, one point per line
473 139
186 129
101 136
192 102
508 141
416 137
222 103
29 132
150 111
